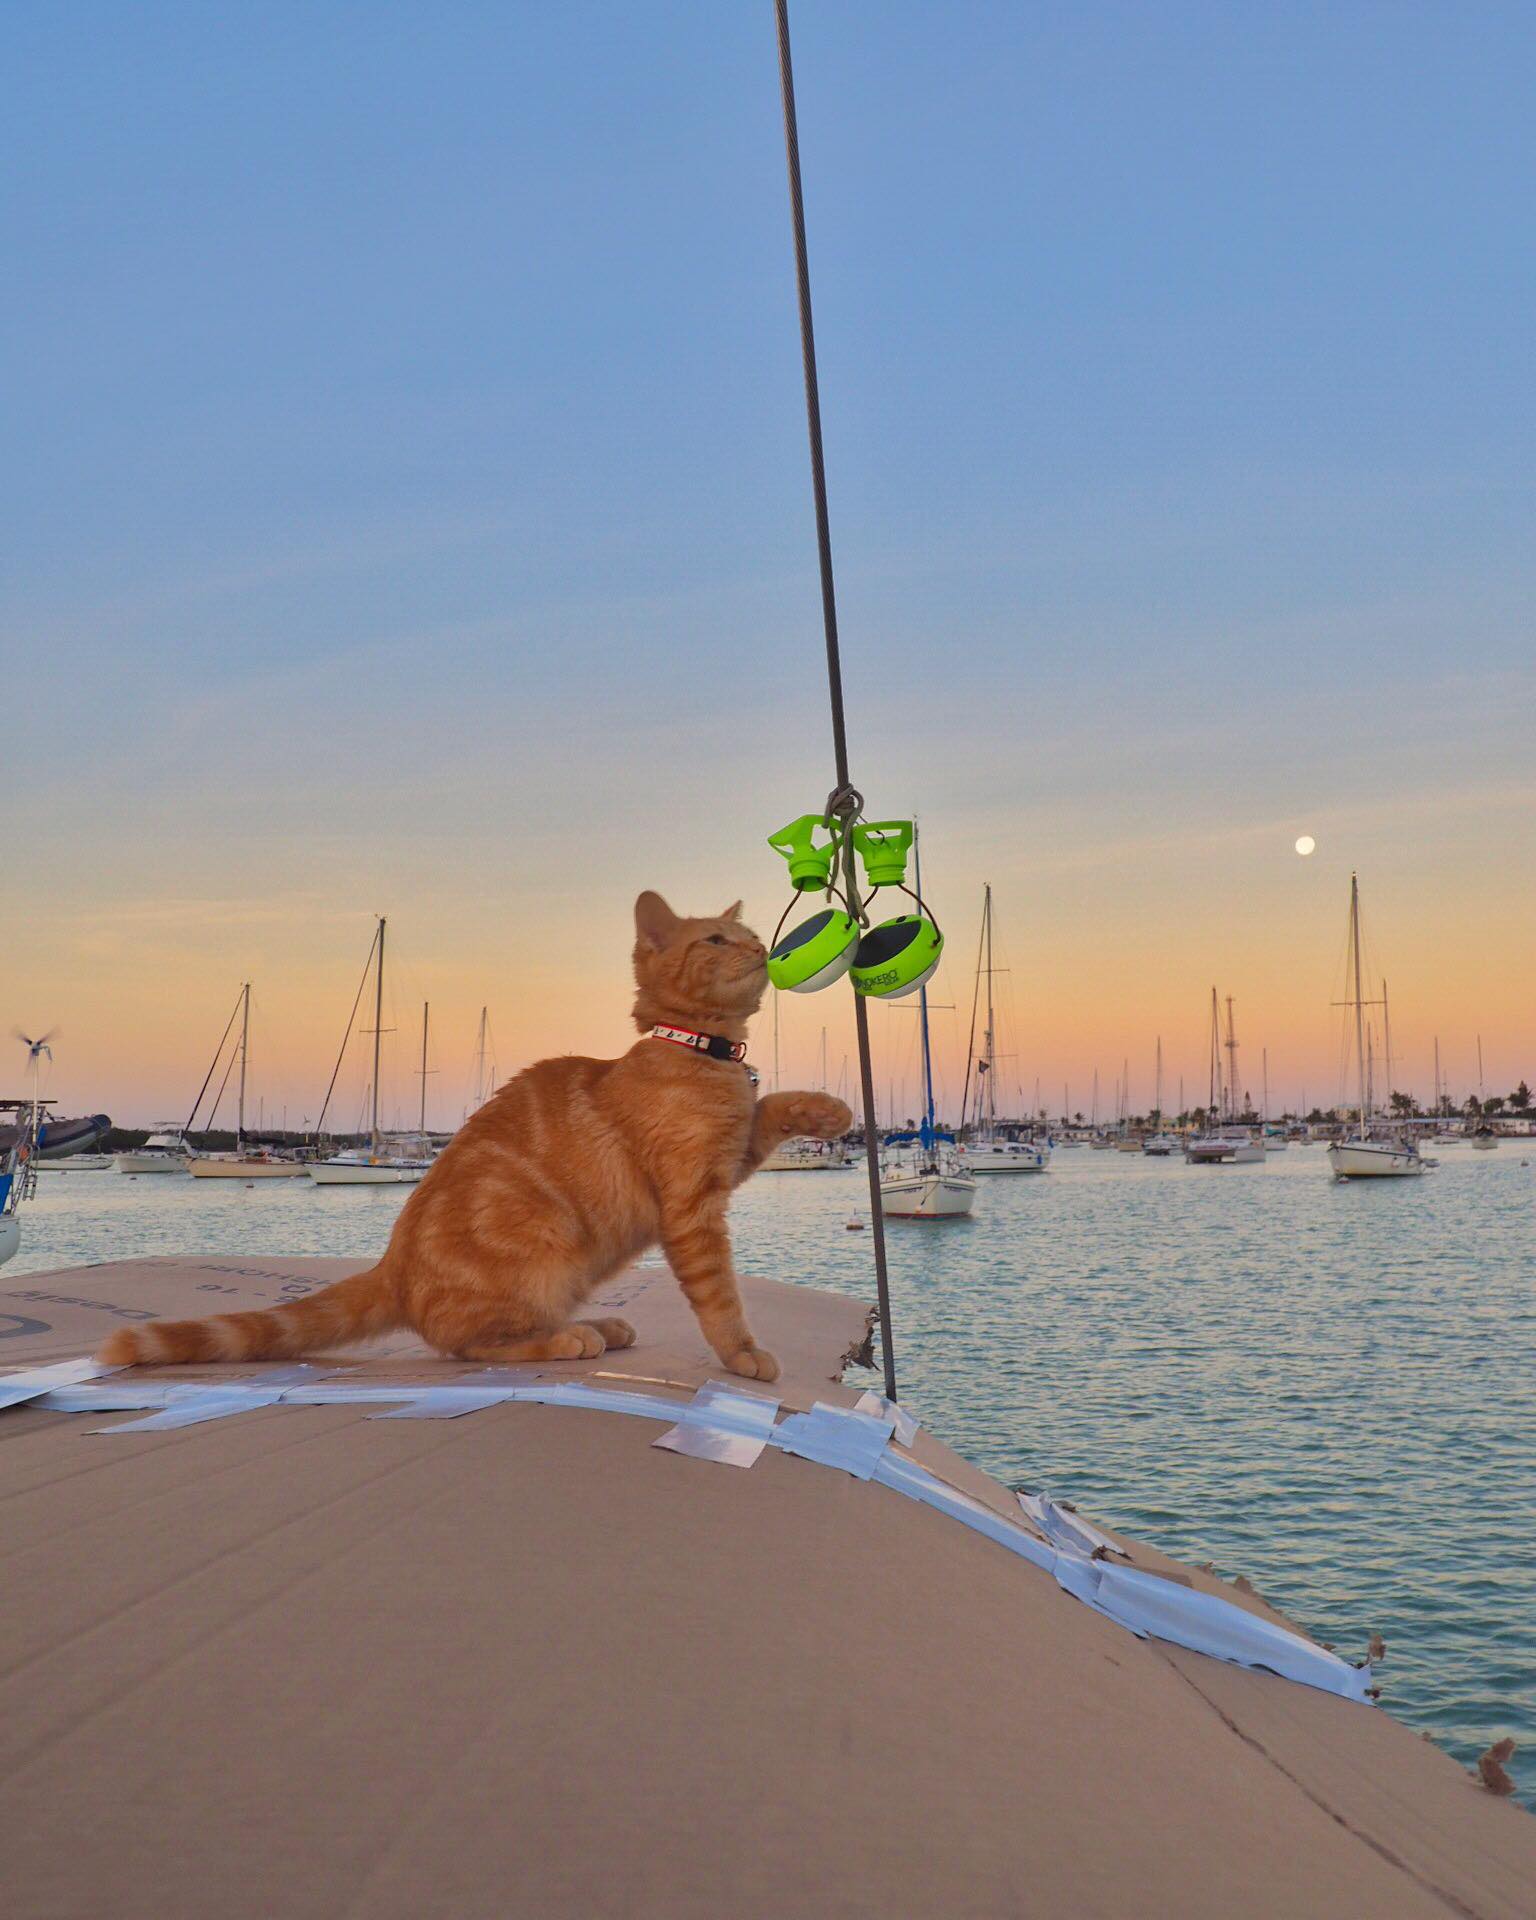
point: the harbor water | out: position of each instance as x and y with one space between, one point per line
1326 1388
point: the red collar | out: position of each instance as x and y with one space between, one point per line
710 1043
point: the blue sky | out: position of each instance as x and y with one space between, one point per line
408 500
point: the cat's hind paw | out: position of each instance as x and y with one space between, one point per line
753 1363
615 1333
579 1341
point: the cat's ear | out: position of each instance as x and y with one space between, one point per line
655 922
732 913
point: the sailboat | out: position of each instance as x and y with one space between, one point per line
1228 1142
1484 1139
800 1155
245 1163
21 1128
928 1185
1273 1137
20 1120
375 1165
1367 1157
988 1151
1162 1144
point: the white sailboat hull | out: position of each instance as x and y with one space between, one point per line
232 1169
10 1236
1221 1148
148 1162
1005 1156
359 1174
1372 1160
927 1196
76 1163
806 1156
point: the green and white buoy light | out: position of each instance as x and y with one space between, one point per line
820 950
897 957
886 962
814 954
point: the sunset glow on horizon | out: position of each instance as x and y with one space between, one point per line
415 521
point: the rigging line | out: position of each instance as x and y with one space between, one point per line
213 1064
347 1035
970 1045
834 673
213 1111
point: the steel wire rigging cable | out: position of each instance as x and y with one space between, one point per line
844 802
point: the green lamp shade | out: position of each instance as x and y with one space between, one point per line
814 954
897 957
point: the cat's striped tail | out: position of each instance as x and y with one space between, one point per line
353 1309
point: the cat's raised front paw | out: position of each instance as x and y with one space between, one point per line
817 1116
753 1363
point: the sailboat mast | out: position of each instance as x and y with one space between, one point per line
1354 943
245 1048
1386 1040
1232 1091
1437 1076
1264 1115
986 921
378 1031
1157 1090
422 1124
1215 1090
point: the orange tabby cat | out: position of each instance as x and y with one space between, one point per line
561 1179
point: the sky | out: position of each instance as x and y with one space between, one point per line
408 512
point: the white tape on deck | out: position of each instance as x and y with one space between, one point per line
724 1424
727 1424
33 1382
836 1437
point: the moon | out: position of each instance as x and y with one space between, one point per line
1305 845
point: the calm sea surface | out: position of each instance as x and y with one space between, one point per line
1326 1388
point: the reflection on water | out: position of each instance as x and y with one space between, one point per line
1326 1388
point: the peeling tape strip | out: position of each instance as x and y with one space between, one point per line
1143 1603
192 1409
723 1424
186 1404
33 1382
446 1403
1066 1529
836 1437
876 1403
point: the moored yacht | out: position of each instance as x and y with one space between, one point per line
1368 1155
1000 1155
19 1123
165 1151
987 1150
929 1183
379 1164
806 1156
245 1162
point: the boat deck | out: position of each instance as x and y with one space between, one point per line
308 1662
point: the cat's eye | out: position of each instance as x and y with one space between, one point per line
718 940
